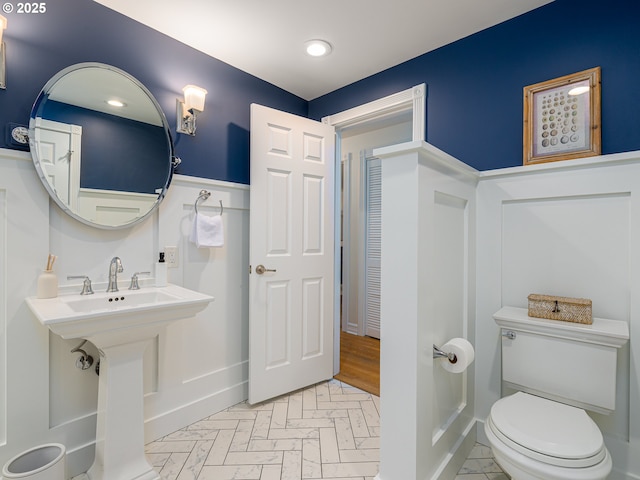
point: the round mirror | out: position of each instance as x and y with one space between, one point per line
101 145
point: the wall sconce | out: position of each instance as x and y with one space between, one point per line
3 48
188 110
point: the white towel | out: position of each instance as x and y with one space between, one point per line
207 231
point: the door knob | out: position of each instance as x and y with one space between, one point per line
260 269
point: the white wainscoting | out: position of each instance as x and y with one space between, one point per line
111 207
573 229
203 361
197 367
24 346
427 297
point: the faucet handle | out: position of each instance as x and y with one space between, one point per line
86 285
134 280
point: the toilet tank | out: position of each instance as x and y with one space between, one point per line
569 362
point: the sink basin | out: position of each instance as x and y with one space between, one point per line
118 301
116 313
122 325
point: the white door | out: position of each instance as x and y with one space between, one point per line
292 238
59 155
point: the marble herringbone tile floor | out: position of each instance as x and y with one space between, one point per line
330 430
480 465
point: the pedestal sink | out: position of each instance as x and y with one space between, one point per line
121 324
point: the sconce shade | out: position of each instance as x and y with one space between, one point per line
3 25
3 70
194 98
188 110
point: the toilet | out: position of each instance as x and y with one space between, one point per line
554 371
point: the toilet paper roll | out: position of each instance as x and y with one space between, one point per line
463 351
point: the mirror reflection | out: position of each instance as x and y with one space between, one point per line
101 145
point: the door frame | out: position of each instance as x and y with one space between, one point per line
368 115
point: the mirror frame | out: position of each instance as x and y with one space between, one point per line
173 161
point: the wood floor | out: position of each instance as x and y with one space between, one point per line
360 362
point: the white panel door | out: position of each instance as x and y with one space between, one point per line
59 156
292 232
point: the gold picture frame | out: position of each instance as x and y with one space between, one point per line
559 122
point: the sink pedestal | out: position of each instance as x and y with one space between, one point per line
120 426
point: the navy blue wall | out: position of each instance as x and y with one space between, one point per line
74 31
474 105
117 153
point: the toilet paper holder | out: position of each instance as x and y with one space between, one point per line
437 353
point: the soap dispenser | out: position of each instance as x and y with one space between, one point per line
161 271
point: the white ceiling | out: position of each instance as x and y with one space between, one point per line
266 37
106 85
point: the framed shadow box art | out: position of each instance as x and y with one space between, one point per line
562 118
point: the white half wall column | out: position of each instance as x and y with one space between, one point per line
427 297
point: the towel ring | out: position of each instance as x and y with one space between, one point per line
204 195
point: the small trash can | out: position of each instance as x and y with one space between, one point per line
45 462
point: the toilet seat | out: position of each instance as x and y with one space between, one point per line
547 431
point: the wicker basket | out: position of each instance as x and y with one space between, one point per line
566 309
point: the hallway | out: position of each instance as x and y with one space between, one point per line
360 362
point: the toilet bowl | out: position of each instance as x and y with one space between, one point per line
534 438
557 370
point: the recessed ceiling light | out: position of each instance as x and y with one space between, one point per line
318 48
116 103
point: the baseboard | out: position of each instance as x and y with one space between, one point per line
452 463
481 437
618 475
624 453
171 421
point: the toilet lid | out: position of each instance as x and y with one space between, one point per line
549 428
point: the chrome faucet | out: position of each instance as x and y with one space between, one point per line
115 267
